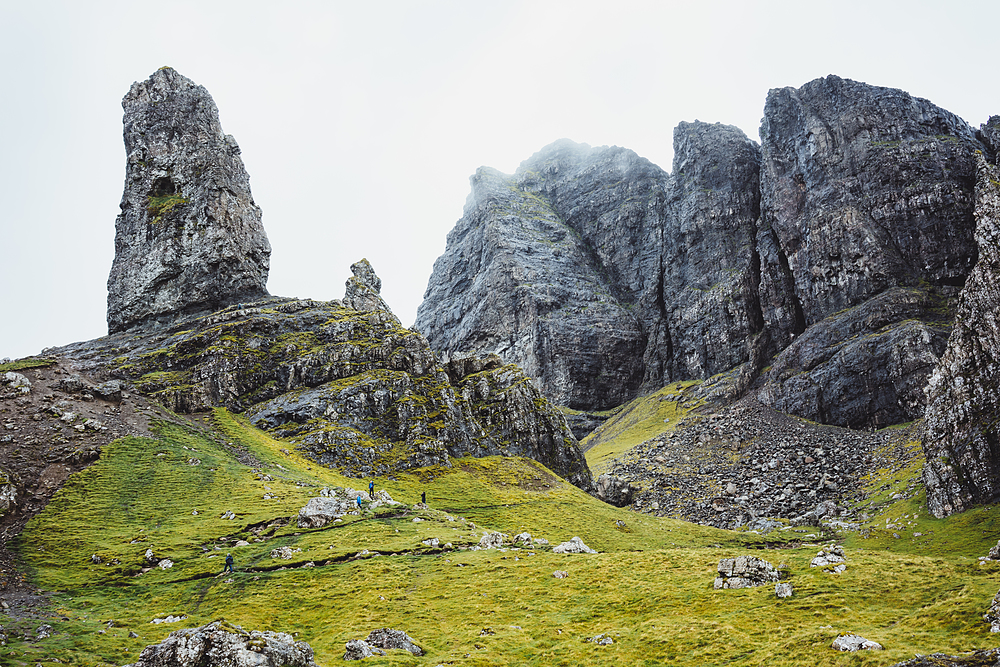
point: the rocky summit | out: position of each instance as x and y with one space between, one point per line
189 237
828 255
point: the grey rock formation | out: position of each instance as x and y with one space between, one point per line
600 274
574 546
387 638
349 388
864 366
745 572
862 188
852 642
980 658
359 649
962 437
189 237
614 490
849 229
221 643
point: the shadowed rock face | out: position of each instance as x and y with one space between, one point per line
862 189
189 237
962 437
850 228
600 274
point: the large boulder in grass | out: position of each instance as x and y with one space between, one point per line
221 643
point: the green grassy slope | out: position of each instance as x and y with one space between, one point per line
650 588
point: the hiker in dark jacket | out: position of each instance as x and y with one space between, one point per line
229 564
371 489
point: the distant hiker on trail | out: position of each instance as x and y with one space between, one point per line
423 497
371 489
359 501
229 564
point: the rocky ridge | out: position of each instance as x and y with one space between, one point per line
189 237
963 407
849 228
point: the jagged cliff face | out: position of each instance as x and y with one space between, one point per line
962 437
189 237
598 273
863 188
866 231
838 243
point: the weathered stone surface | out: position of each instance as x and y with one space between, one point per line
14 384
862 188
220 643
993 615
863 367
849 230
783 589
359 649
574 546
987 658
189 237
855 643
614 490
363 290
962 437
745 572
600 274
387 638
351 389
830 559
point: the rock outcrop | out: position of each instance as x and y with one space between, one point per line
221 643
600 274
189 237
745 572
839 242
962 438
350 388
866 229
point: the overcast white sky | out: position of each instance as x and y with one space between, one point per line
361 121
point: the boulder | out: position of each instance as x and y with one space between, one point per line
614 490
830 559
14 384
783 589
492 541
855 643
387 638
993 615
221 643
745 572
359 649
574 546
320 511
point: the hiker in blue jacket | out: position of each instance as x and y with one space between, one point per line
371 489
229 564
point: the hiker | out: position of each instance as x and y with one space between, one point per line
371 489
358 498
423 497
229 564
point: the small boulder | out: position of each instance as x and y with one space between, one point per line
745 572
574 546
387 638
359 649
855 643
492 541
783 589
14 384
993 615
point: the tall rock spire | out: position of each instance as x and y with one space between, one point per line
189 237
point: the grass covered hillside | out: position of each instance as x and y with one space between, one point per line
649 589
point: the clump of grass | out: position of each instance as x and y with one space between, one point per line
22 364
160 205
